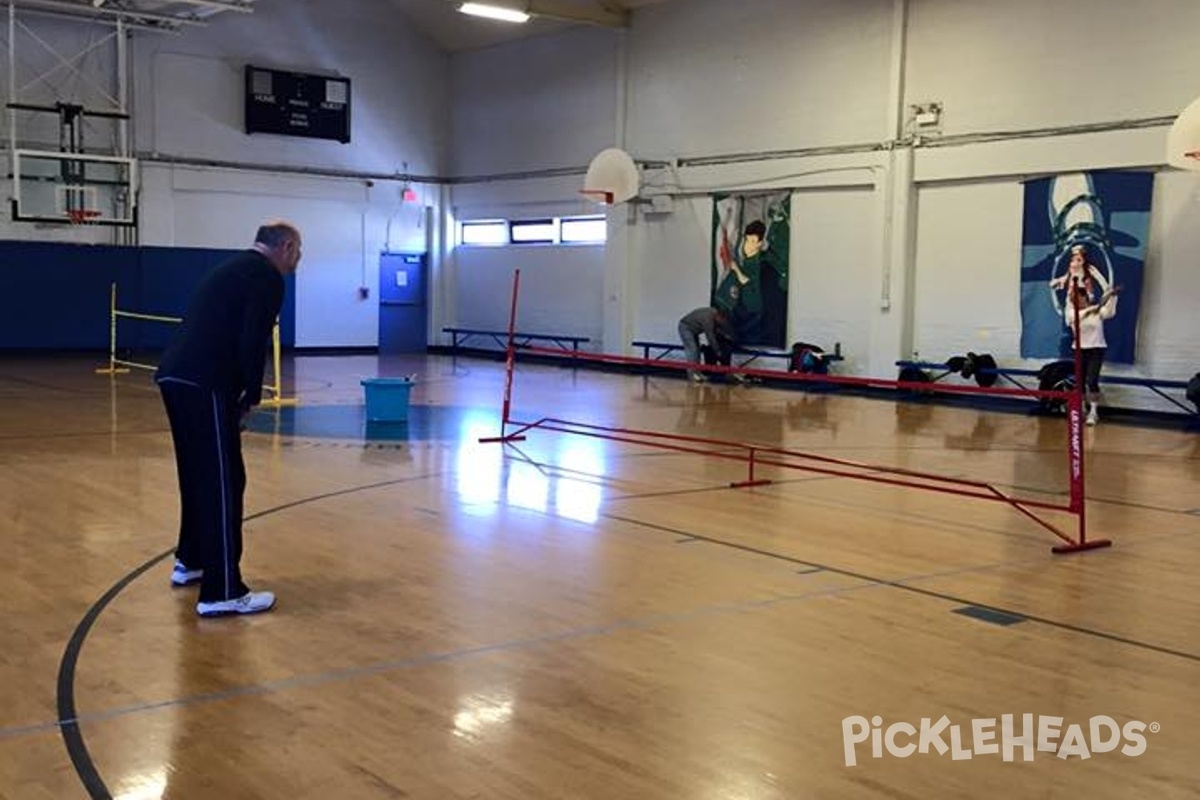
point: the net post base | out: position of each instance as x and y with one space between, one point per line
1079 547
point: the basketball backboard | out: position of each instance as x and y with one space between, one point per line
612 177
74 188
1183 140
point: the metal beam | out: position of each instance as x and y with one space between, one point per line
244 6
89 19
103 12
604 15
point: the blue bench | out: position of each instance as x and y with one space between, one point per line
662 349
460 335
1156 385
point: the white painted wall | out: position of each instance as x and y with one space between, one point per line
1028 64
709 77
538 103
189 90
889 253
968 294
344 224
562 287
557 289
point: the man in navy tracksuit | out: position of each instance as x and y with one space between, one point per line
210 377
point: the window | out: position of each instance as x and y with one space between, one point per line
533 231
485 232
589 229
581 230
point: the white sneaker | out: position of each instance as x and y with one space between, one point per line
1092 418
182 576
249 603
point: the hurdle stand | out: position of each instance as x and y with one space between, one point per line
753 454
118 366
273 392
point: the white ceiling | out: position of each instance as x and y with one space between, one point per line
454 32
437 19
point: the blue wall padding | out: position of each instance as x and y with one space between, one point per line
56 296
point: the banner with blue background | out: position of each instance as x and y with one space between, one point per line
1107 215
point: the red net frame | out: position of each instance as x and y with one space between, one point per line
754 455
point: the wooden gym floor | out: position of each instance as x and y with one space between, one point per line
576 618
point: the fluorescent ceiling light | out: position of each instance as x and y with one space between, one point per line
493 12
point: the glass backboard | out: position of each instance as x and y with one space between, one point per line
74 188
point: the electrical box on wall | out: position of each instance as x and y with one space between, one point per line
925 118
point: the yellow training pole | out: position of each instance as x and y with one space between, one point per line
111 369
276 388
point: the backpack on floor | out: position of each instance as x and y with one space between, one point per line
806 358
1057 376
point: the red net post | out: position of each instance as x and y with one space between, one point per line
1075 459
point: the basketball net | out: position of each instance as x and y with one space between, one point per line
82 216
598 196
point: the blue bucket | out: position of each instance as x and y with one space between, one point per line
387 398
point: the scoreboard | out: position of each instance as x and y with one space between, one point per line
295 104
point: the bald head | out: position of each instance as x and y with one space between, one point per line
275 232
279 241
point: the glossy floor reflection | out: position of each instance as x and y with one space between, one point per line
574 617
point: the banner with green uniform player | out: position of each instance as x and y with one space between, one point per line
751 241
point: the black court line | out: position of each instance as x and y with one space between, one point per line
933 520
68 718
723 487
1016 487
72 736
421 659
960 601
1108 501
69 390
82 434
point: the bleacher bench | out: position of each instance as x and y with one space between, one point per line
1156 385
750 354
459 336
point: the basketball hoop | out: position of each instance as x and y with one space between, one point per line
1183 140
613 176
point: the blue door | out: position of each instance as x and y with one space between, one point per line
403 316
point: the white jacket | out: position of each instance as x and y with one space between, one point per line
1091 322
